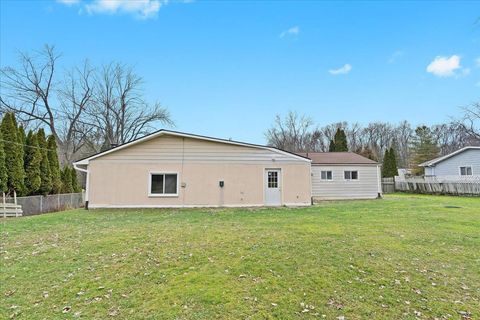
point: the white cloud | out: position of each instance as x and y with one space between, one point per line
343 70
142 9
293 31
444 66
396 55
68 2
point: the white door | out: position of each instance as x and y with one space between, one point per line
273 187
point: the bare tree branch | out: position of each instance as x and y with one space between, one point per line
87 109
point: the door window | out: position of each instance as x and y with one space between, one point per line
272 179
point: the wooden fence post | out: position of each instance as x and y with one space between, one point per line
4 206
15 202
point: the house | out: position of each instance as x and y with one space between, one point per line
344 175
175 169
462 164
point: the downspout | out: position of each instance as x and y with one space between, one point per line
182 183
311 186
87 183
379 181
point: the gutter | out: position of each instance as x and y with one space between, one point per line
86 183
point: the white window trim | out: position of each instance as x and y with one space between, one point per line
358 175
161 195
326 180
465 175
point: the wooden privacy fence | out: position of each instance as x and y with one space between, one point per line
388 185
439 187
432 186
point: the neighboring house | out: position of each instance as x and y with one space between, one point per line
344 175
174 169
462 164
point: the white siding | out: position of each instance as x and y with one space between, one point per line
366 187
451 166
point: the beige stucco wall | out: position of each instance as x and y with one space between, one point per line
121 179
126 184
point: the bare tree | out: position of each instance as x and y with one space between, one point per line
32 92
89 108
297 133
403 138
354 137
75 97
27 90
328 133
470 122
119 109
293 133
378 136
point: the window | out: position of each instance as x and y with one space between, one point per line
272 179
163 184
326 175
351 175
465 171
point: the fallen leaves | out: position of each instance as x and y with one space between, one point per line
306 307
465 315
113 312
336 304
9 293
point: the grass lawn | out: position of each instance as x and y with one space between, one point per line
403 257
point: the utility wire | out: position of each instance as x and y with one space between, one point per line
25 145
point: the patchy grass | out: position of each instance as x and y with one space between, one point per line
403 257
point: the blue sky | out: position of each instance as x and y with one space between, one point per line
225 69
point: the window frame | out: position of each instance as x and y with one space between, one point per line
326 174
466 171
162 195
345 179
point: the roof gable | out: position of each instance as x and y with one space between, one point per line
433 162
162 132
